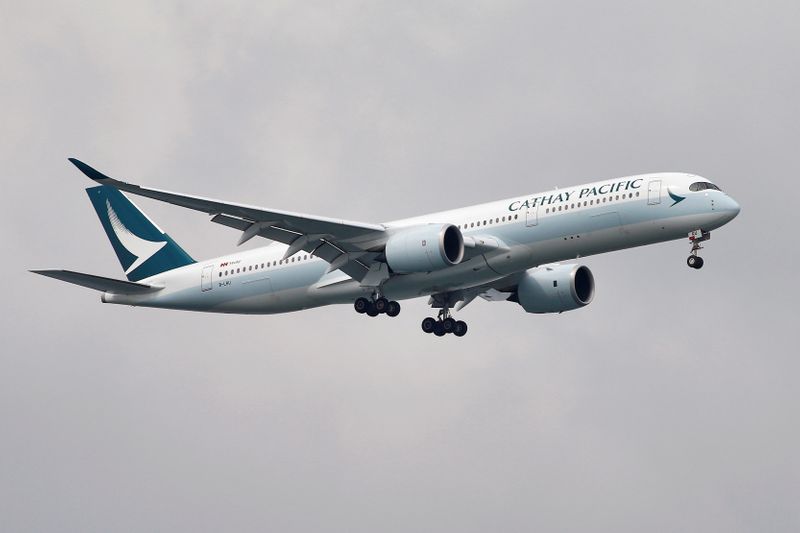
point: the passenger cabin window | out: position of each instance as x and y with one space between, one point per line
703 185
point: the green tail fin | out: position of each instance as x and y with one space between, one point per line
142 248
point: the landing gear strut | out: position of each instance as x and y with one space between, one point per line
444 325
696 237
376 306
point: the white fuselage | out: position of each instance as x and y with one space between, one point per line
520 233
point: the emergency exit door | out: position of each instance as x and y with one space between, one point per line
206 278
532 216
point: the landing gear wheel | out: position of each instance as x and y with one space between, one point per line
428 325
460 328
372 310
438 329
393 309
381 304
449 325
694 261
696 237
361 305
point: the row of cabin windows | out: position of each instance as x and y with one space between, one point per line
497 220
591 202
565 207
268 264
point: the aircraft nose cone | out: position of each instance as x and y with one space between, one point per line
733 207
730 208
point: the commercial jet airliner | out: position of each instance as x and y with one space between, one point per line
510 250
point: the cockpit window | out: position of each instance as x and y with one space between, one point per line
703 185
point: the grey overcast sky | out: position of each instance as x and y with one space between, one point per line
669 404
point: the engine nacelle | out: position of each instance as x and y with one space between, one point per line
555 289
425 248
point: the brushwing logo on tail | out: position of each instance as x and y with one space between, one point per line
141 248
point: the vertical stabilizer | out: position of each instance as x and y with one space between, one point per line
142 248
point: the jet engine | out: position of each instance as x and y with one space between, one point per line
555 289
425 248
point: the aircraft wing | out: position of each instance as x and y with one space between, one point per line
348 246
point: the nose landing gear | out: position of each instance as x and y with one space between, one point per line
695 261
696 237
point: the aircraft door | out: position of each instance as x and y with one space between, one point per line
654 192
532 216
207 278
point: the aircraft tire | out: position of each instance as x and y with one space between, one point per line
361 305
460 329
393 309
381 304
428 325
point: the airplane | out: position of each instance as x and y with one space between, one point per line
509 250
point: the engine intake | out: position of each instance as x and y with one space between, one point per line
425 248
555 289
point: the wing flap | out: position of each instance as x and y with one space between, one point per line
231 222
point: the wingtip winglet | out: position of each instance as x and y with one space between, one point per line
89 171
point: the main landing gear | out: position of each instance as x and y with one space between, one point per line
444 325
696 237
376 306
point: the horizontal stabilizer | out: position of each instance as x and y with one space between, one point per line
98 283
